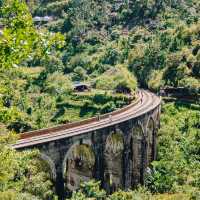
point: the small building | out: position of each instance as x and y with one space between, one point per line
174 91
81 87
123 89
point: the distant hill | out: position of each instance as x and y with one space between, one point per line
157 40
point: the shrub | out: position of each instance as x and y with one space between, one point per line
80 74
191 83
57 84
156 80
111 56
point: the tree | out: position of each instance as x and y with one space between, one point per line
19 35
21 174
89 190
177 143
58 84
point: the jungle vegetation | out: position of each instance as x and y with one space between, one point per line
108 45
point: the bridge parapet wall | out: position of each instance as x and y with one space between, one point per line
75 124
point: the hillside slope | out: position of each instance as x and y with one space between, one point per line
157 40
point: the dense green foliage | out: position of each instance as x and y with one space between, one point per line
158 40
23 175
168 57
37 82
108 45
93 42
178 164
91 191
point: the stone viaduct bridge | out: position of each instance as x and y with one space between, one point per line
115 148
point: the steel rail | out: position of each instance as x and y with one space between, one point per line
149 102
60 133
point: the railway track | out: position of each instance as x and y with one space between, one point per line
146 102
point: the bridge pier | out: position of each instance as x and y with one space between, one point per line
59 185
127 167
98 147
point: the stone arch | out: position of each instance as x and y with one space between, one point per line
113 160
137 144
150 140
50 164
78 166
